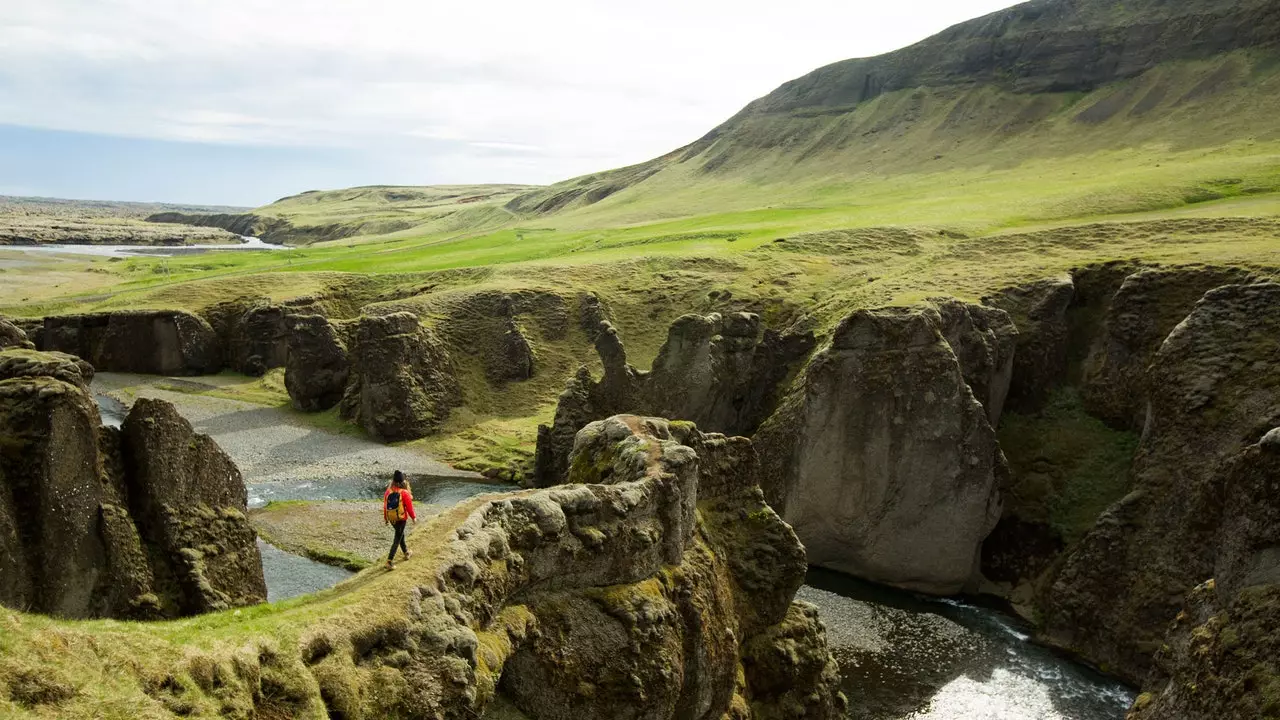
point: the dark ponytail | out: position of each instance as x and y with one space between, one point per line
398 479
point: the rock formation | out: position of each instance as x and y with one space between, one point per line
12 336
1039 311
881 457
1145 309
1210 397
94 522
317 366
254 333
664 591
1221 657
162 342
983 340
401 384
514 359
718 371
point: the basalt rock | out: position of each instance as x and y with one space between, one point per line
162 342
1039 311
881 457
515 356
983 340
254 333
402 384
145 523
1145 309
1211 396
1221 656
12 336
717 371
317 366
664 591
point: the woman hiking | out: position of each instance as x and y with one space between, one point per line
397 510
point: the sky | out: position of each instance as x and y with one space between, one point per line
240 102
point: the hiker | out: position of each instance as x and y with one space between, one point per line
397 510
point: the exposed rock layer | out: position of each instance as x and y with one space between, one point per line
882 458
162 342
94 522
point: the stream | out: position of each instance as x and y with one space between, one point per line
118 251
907 657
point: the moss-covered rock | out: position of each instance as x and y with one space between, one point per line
162 342
317 366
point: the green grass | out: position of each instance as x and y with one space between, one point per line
1068 465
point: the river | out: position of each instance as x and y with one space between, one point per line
249 244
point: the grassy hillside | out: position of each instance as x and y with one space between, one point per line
380 210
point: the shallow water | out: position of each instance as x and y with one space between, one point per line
905 657
289 575
426 490
111 410
250 244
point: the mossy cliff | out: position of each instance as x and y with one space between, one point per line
666 591
144 522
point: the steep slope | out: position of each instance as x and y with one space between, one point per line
1045 78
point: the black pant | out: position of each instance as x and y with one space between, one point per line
399 541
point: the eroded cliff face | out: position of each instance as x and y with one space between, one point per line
722 372
662 590
881 457
160 342
145 523
12 336
401 383
1210 397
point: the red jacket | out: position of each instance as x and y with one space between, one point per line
406 497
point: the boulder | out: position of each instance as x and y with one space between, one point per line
317 366
717 371
1144 310
12 336
881 457
983 340
162 342
142 524
1114 593
1039 312
402 384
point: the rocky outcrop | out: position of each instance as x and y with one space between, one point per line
1039 311
983 340
1221 656
316 366
881 457
254 333
401 384
514 360
664 591
12 336
268 229
1210 398
1145 309
145 523
161 342
719 371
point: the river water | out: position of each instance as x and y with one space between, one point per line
906 657
249 244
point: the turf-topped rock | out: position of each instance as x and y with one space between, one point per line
718 371
402 384
17 363
1212 393
983 340
12 336
317 366
162 342
665 590
1145 309
881 457
145 523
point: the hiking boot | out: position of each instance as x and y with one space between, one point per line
391 565
407 554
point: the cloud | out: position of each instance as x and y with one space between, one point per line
542 90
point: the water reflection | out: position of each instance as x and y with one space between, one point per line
289 575
905 657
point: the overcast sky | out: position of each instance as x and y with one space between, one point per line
243 101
